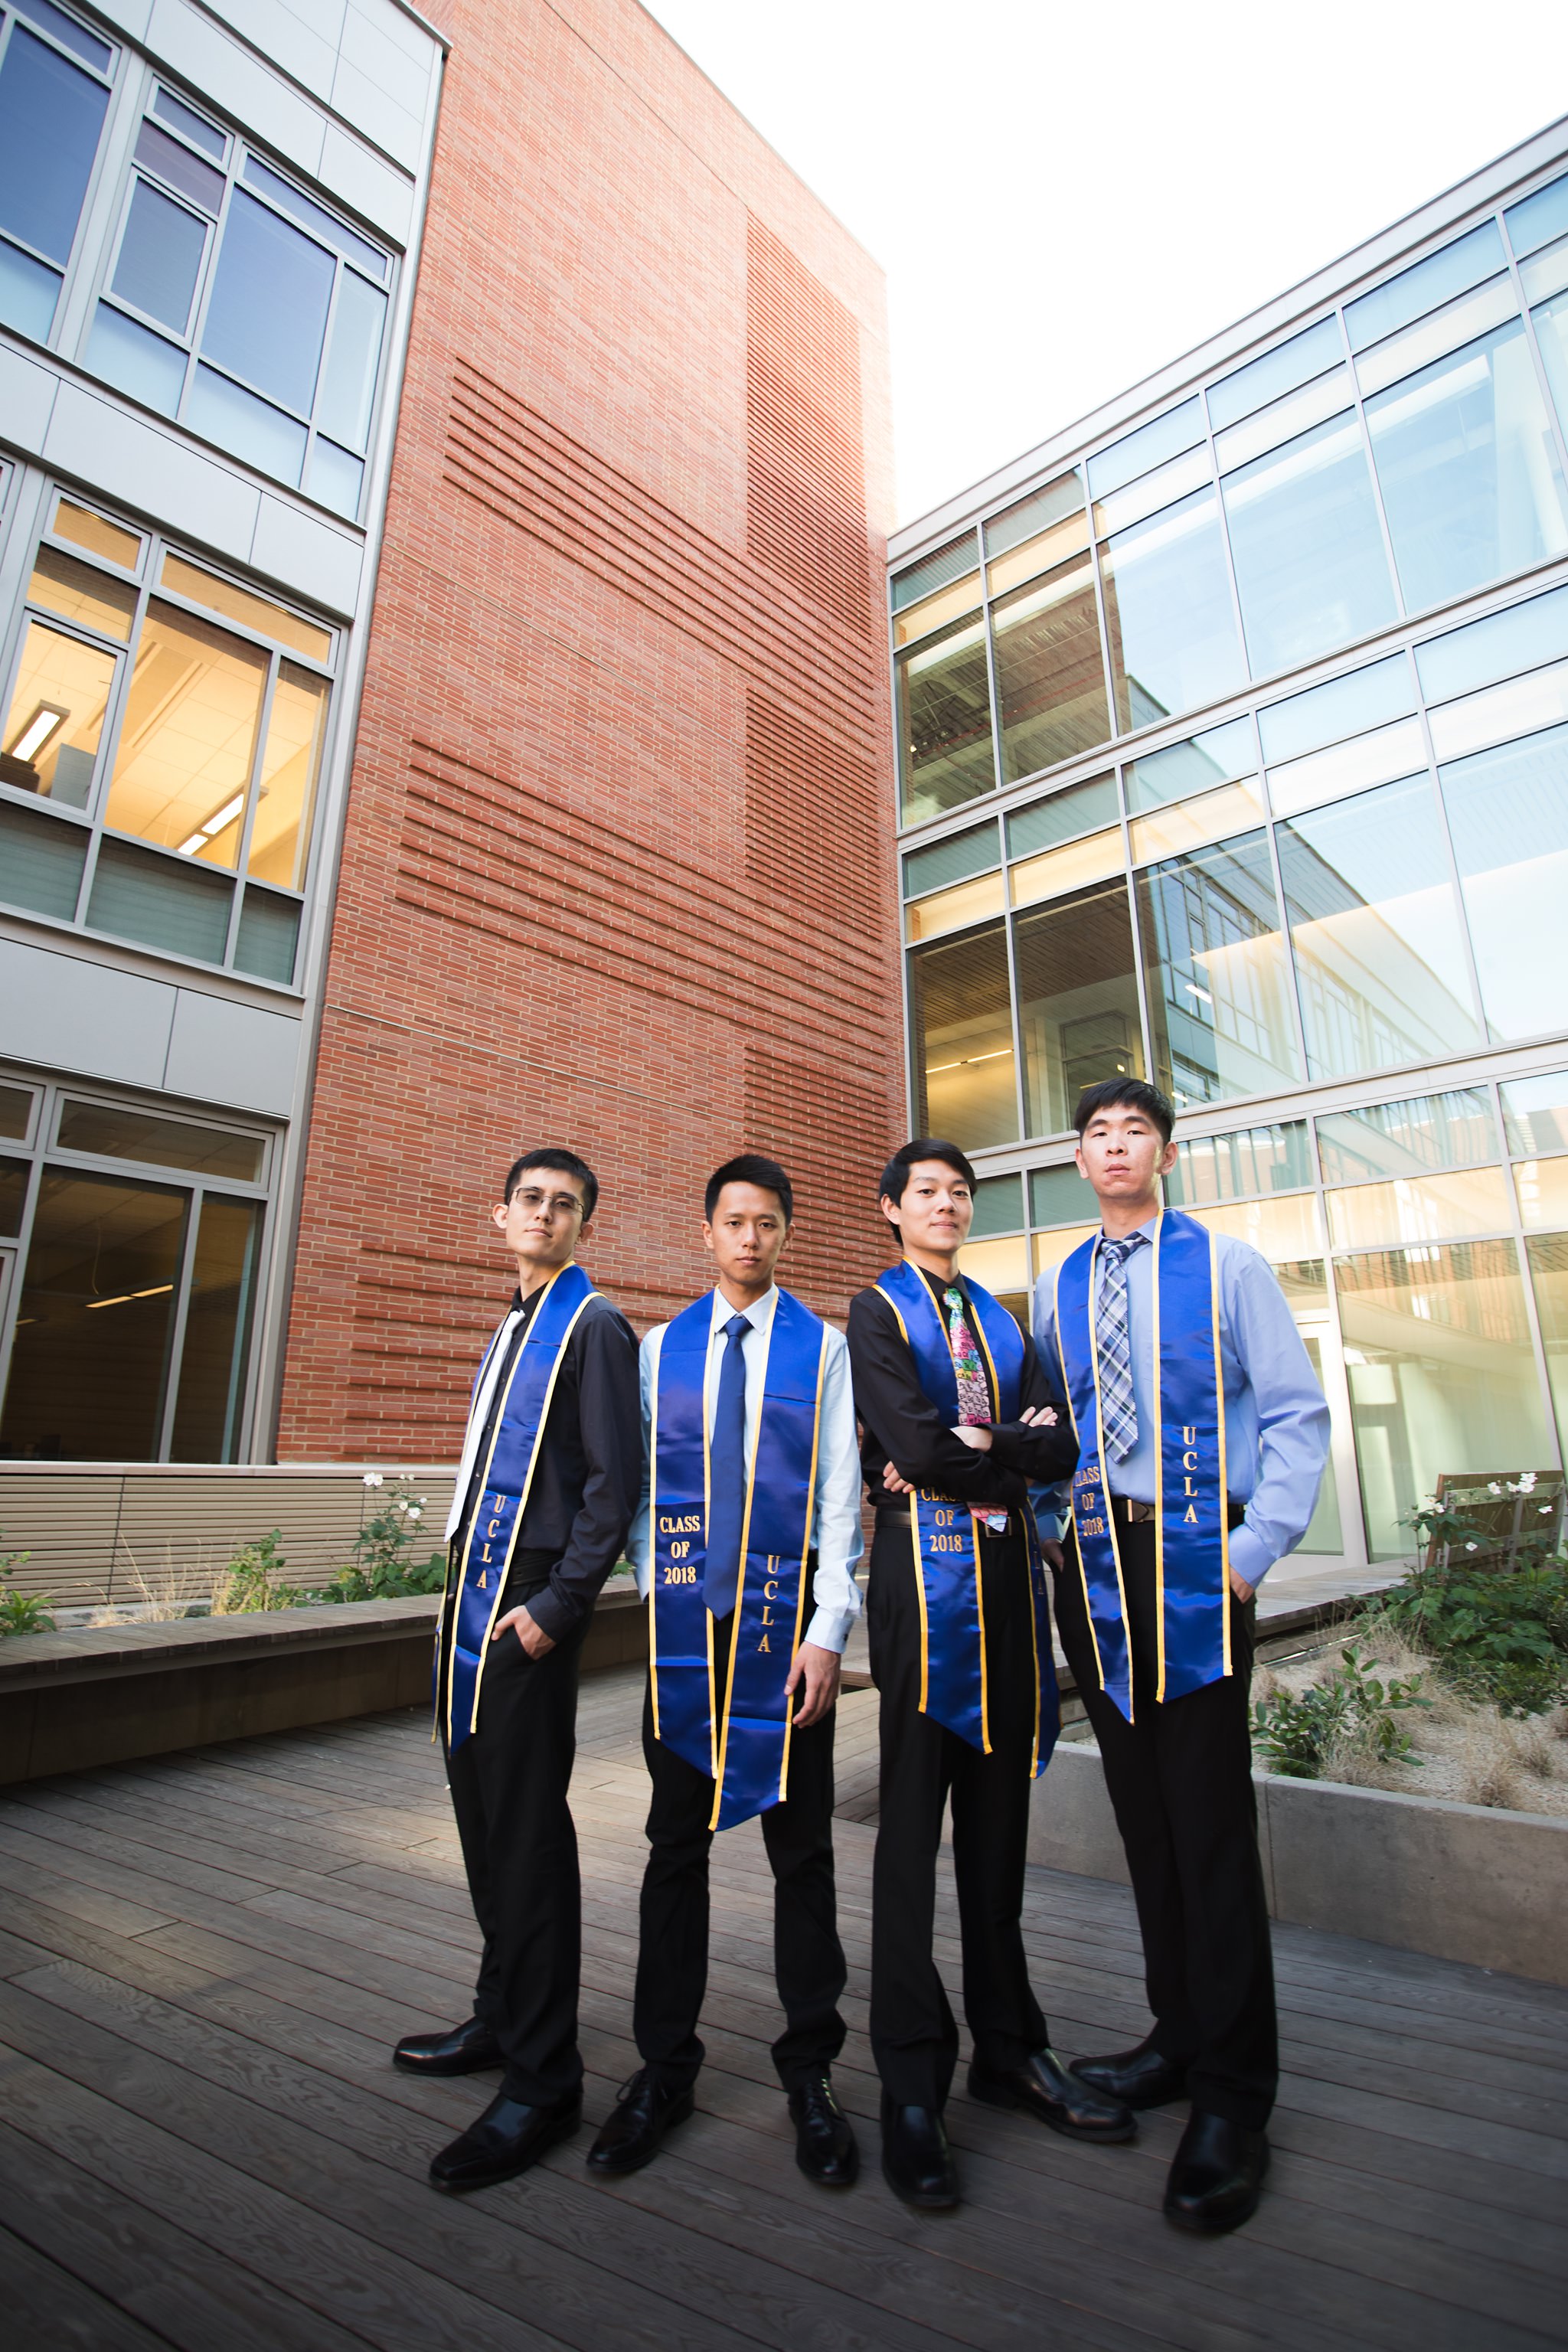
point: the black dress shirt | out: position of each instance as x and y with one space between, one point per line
902 1426
589 1475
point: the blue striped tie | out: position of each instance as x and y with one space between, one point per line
1117 1414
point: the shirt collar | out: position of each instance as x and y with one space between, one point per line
758 1315
1143 1232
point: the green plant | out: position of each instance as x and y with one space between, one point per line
1295 1733
21 1612
382 1570
1499 1632
252 1580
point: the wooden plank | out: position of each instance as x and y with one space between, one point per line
47 2306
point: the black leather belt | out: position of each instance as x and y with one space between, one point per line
1138 1514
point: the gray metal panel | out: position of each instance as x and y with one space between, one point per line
368 185
309 556
26 396
231 1053
235 81
70 1015
131 15
123 457
308 53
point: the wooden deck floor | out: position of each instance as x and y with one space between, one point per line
202 2144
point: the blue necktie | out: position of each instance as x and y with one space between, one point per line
1118 1414
727 1475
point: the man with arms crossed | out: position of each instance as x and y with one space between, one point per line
959 1419
545 1495
1202 1434
751 1498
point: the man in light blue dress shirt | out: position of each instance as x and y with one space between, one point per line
1180 1772
749 1209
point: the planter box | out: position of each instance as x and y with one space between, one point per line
105 1693
1459 1882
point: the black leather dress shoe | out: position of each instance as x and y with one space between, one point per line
1216 2175
508 2137
825 2145
1053 2092
466 2049
645 2110
917 2162
1138 2078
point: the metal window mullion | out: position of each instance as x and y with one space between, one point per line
1558 426
65 327
1527 1277
252 803
23 1244
1370 459
1222 518
1288 942
1014 1019
1130 881
1108 675
1455 883
108 748
209 279
311 432
1338 1333
194 1197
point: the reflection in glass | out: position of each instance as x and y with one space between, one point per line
1345 706
1415 1209
998 1207
1168 613
1378 949
1043 507
955 859
1520 706
1535 1113
188 736
56 719
1508 814
1278 371
1539 217
1254 1159
336 479
1470 482
13 1195
143 894
955 909
267 312
316 218
176 163
50 116
1324 1533
291 764
1050 1249
111 1131
935 570
934 612
1067 869
1348 767
159 255
1310 566
1407 1139
1077 1002
348 384
1004 1268
194 127
1552 334
79 592
1286 420
16 1112
96 1317
237 420
210 1398
97 534
1211 758
1059 1195
1437 279
258 613
1503 644
1444 331
41 858
1063 817
961 1028
1219 990
1179 428
1548 1256
1232 809
1542 1189
1442 1374
28 292
1050 678
131 356
944 722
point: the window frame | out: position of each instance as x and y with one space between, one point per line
111 81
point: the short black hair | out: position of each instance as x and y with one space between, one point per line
1136 1093
565 1163
751 1168
896 1174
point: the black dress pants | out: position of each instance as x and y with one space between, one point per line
914 2038
672 1953
1180 1779
509 1784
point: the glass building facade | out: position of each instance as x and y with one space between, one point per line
1233 752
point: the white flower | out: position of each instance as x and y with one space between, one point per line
1526 1481
1545 1509
1472 1547
415 1512
374 1478
1492 1486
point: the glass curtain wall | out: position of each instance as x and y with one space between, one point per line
161 749
1403 452
139 1252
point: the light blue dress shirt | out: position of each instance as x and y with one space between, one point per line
836 1517
1276 1416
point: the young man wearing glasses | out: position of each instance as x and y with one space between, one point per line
545 1493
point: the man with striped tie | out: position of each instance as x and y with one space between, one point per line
1203 1433
959 1420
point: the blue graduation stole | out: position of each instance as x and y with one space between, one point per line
1191 1542
947 1553
743 1743
492 1536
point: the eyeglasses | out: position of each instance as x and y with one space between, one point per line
557 1204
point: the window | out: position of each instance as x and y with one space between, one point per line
1219 989
1051 682
240 305
961 1021
1168 613
1470 482
1310 566
945 721
54 94
194 741
1507 813
1378 944
1077 1002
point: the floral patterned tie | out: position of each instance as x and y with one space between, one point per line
973 1396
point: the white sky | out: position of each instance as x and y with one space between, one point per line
1065 199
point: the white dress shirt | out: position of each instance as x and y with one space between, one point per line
836 1511
484 1388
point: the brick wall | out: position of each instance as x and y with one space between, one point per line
617 869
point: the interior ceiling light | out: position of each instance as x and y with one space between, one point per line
126 1296
213 825
45 723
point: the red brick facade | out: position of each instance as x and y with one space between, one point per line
616 868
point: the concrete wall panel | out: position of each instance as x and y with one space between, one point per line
70 1015
26 402
125 458
232 1053
300 552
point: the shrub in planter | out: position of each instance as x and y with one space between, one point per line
1296 1733
383 1570
1499 1630
252 1580
21 1612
